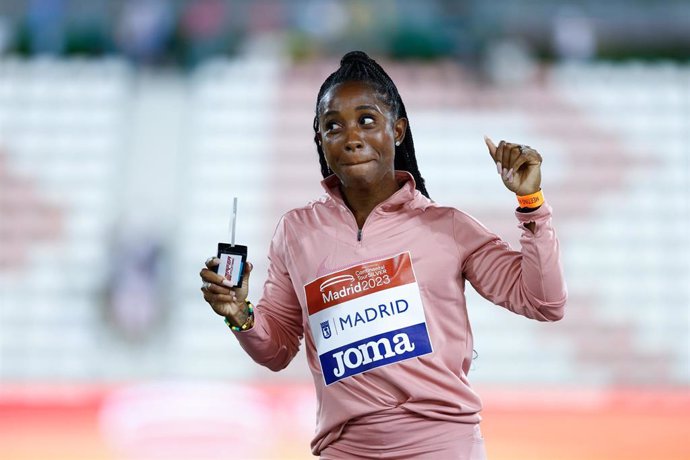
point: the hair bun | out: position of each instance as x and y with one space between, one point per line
355 56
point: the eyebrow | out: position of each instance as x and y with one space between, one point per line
367 107
359 107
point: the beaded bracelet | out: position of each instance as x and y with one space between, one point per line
247 324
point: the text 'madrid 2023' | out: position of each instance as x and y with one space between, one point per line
367 316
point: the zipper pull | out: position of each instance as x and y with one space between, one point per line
359 234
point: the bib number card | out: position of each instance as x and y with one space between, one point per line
367 316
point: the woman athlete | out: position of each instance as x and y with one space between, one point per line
372 276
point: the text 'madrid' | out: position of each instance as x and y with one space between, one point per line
367 316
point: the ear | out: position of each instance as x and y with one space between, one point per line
399 128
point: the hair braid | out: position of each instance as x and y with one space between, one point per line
358 66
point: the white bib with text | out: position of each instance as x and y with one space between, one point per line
367 316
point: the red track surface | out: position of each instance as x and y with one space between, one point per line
66 423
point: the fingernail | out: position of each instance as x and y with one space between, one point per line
226 283
498 167
510 174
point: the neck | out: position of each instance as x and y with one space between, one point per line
363 200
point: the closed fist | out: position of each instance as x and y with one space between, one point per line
518 165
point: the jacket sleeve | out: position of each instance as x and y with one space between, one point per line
278 328
529 282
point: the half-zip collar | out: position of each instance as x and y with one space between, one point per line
405 194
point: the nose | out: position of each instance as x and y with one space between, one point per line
353 145
353 142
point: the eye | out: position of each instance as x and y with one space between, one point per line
367 120
331 126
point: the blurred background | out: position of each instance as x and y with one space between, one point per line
126 127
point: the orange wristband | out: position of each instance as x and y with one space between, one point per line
531 201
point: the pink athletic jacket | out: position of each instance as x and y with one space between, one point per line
394 369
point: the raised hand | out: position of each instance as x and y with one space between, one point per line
519 166
225 300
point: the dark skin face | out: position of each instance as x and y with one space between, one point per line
358 133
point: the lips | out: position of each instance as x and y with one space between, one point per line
355 163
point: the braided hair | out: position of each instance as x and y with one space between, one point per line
358 66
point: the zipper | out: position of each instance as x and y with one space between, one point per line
359 230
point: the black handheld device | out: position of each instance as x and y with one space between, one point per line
233 257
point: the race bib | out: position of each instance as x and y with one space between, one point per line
367 316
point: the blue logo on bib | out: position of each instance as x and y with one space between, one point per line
326 329
376 351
